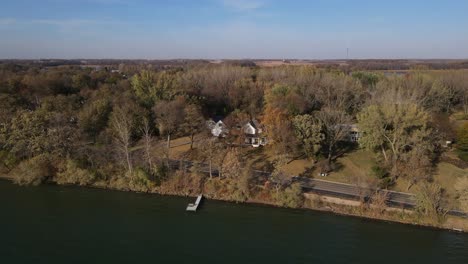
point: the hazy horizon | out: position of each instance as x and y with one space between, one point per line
233 29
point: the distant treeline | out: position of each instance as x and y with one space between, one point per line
344 65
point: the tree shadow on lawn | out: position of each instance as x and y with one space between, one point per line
344 148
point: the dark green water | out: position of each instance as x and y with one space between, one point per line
51 224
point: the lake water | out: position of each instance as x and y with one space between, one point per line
51 224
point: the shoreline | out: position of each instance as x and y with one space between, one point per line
328 204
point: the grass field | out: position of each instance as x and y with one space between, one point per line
446 176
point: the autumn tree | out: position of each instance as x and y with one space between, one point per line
236 178
279 129
216 83
279 108
169 117
31 133
231 167
286 98
193 122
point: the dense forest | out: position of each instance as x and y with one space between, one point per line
113 126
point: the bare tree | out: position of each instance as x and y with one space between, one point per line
335 127
379 201
121 125
193 122
148 141
279 177
210 151
429 200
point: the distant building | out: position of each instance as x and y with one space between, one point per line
353 133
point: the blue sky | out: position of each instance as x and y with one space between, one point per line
164 29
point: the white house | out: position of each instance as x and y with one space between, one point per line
253 131
218 129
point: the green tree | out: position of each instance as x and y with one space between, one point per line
193 122
309 134
143 85
368 79
81 81
93 118
399 131
150 87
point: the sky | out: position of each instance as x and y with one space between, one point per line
233 29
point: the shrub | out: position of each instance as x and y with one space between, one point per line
141 180
33 171
7 159
379 172
182 183
71 173
382 174
291 196
160 173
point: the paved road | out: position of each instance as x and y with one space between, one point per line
324 187
355 192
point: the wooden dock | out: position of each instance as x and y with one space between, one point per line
192 207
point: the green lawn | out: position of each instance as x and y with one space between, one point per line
446 176
352 167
